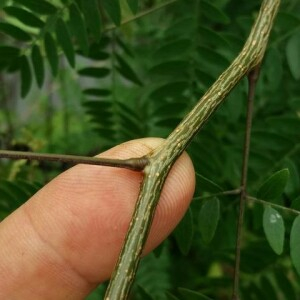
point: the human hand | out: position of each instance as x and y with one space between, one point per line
66 239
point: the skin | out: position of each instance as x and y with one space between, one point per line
66 239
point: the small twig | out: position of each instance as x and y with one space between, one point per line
290 210
141 14
252 79
225 193
135 164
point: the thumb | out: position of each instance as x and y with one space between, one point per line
65 240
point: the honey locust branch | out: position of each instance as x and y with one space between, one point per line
163 157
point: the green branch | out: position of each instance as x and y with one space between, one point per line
162 158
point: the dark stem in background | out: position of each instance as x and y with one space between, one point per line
252 79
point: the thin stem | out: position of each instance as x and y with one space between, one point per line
290 210
248 198
225 193
135 164
252 79
141 14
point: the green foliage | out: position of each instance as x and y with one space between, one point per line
99 83
15 32
295 244
38 65
274 186
153 277
15 193
214 13
92 16
42 7
208 185
209 218
25 75
64 39
24 16
78 27
292 51
184 233
274 229
113 9
51 53
133 4
191 295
